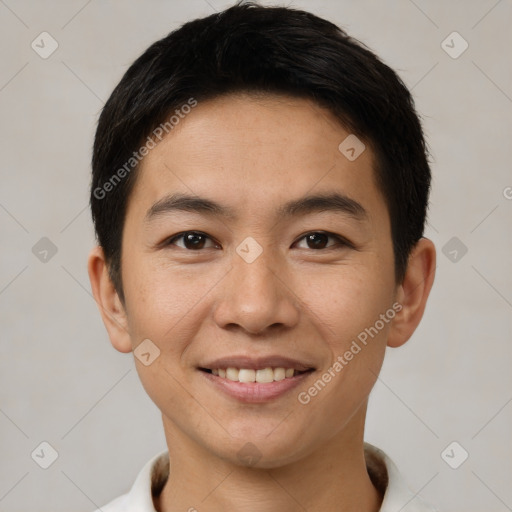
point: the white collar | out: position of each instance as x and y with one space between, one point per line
384 474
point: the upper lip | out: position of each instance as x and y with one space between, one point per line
256 363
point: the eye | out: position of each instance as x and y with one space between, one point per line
192 240
319 240
196 240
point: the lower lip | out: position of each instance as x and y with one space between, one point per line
255 392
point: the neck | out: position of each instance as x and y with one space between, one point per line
332 478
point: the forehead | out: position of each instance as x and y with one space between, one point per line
252 152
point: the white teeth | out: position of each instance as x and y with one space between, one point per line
246 375
262 376
232 373
265 375
279 373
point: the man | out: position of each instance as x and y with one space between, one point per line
259 193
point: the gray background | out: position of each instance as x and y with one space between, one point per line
63 383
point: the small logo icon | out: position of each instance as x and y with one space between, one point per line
249 454
249 249
44 250
351 147
147 352
44 45
454 455
454 249
44 455
454 45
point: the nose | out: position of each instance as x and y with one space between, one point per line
256 298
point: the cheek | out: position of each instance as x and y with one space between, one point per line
163 304
347 308
346 301
163 300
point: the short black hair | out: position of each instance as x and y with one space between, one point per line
271 50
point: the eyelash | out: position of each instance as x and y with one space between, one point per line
340 241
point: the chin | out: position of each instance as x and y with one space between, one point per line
257 448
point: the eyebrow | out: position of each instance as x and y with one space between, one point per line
333 202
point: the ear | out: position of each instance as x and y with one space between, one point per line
111 308
413 293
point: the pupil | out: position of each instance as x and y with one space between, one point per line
194 240
317 240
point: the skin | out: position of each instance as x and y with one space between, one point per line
253 154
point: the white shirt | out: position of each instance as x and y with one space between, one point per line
383 473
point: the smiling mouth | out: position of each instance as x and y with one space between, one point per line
261 376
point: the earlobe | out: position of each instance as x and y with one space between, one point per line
111 308
413 292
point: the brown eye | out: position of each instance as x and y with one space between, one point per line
320 240
317 240
192 240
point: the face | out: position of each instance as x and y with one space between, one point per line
252 242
